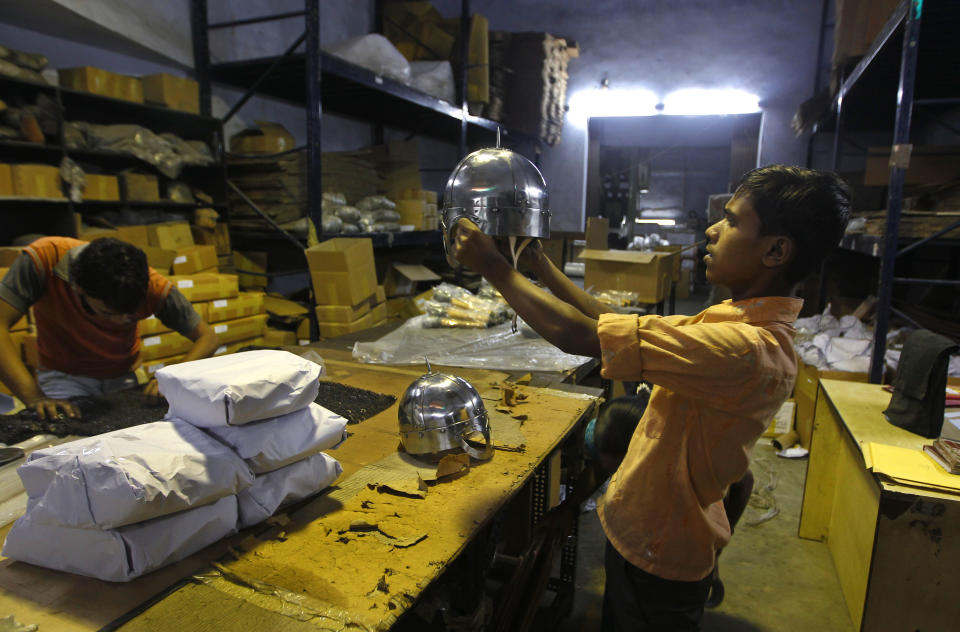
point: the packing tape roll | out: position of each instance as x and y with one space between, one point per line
786 440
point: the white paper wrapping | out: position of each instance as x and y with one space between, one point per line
286 485
274 443
122 554
130 475
239 388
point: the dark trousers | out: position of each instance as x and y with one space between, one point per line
636 601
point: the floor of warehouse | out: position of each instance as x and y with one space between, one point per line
774 580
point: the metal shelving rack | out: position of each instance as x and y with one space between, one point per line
913 58
321 82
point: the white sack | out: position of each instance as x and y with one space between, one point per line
374 52
122 554
274 443
239 388
433 77
130 475
286 485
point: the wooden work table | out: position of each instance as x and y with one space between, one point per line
310 569
892 539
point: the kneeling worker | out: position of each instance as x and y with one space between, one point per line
87 299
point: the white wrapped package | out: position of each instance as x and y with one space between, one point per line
236 389
119 555
274 443
286 485
130 475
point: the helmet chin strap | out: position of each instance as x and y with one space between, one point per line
480 454
515 253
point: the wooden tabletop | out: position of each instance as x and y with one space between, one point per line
317 570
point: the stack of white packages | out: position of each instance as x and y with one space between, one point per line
242 437
260 403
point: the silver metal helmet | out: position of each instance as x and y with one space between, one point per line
501 192
440 412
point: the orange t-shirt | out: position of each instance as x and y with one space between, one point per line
719 378
72 340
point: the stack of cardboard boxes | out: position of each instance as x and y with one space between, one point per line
164 90
418 208
31 181
345 287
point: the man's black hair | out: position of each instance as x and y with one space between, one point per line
617 420
810 207
114 272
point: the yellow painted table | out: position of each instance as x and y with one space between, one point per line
888 515
315 572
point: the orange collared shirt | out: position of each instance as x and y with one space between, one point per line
719 378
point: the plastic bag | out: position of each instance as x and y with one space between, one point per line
433 77
374 52
331 224
335 198
374 202
349 214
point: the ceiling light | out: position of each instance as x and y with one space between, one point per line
586 104
704 101
661 222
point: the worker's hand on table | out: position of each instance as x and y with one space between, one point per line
473 248
152 391
47 408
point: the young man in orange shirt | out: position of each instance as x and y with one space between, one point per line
718 378
87 299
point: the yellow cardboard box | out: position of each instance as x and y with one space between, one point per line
303 331
160 259
378 313
176 93
279 338
139 187
152 366
254 263
170 235
341 313
164 345
195 259
127 88
266 138
36 181
647 274
244 304
136 235
88 79
341 254
240 328
206 286
98 187
151 325
332 330
344 288
233 347
6 180
783 421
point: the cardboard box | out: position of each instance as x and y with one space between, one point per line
341 313
170 235
344 288
206 286
240 328
176 93
195 259
332 330
139 187
164 345
412 212
88 79
404 279
234 347
783 421
683 287
398 307
136 235
381 294
152 366
244 304
36 181
279 338
127 88
597 235
160 259
266 138
928 165
303 331
21 325
252 269
378 313
9 254
341 254
805 394
103 188
645 273
6 180
857 24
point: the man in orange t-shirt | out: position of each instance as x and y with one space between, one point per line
718 378
87 299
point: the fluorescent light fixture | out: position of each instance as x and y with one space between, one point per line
586 104
661 222
704 101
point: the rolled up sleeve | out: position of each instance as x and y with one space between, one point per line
619 347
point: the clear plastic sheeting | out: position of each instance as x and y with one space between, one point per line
497 348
